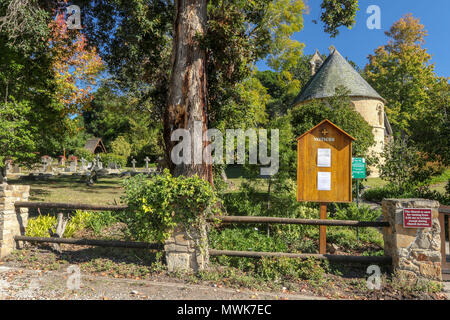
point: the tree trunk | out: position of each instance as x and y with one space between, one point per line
187 97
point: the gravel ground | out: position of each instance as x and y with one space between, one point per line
23 284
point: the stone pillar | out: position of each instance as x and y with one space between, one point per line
12 221
187 252
416 252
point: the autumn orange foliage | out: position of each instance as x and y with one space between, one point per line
75 65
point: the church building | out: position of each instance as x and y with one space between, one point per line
336 71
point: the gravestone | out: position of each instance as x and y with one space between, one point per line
73 166
134 164
98 164
146 163
8 166
84 167
17 169
46 167
112 165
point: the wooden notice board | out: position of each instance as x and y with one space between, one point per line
324 164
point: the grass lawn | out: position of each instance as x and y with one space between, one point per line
108 190
71 189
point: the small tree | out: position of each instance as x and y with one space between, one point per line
404 167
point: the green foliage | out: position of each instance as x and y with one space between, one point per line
340 111
16 136
380 193
77 222
39 226
84 153
404 166
417 99
25 24
250 239
394 191
127 125
121 147
289 268
105 118
282 88
337 13
157 206
107 158
102 219
353 212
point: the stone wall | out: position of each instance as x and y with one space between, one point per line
416 252
187 252
12 221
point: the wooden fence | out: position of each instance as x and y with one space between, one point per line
212 252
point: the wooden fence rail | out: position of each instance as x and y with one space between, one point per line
313 222
68 206
303 256
92 242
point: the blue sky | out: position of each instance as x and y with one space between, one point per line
359 42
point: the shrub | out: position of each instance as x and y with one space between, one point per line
39 226
391 191
101 219
404 166
279 268
380 193
156 206
251 239
353 212
107 158
77 222
121 147
84 153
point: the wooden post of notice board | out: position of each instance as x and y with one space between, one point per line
324 169
323 230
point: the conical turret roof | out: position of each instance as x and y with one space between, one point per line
336 71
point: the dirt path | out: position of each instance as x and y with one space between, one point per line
17 284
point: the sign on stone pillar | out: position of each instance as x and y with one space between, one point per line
415 251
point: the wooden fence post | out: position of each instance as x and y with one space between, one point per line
323 229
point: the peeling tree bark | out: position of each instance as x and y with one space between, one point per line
187 97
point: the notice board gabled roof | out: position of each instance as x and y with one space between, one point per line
330 123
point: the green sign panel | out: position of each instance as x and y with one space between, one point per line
358 168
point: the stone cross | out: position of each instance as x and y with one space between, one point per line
134 164
146 163
98 163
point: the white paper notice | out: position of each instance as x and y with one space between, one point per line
324 181
324 158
